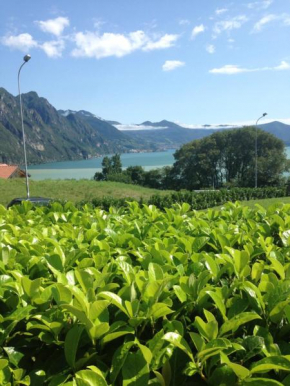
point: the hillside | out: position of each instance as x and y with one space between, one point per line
52 135
279 129
57 135
170 135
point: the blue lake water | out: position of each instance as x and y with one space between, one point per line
87 168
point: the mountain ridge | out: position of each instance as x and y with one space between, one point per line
58 135
50 136
173 135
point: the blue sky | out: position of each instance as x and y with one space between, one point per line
188 61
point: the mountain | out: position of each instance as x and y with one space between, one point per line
53 135
163 124
113 123
56 135
279 129
170 135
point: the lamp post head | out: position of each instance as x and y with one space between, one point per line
264 114
26 58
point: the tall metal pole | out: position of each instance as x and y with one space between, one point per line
256 151
26 59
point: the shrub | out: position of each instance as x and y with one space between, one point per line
140 296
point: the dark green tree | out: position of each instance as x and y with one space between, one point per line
116 164
228 157
136 174
153 179
110 167
106 166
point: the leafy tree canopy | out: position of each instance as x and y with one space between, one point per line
228 157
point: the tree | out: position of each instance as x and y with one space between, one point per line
116 164
107 166
160 178
136 174
153 179
110 166
229 157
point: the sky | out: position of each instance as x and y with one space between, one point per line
188 61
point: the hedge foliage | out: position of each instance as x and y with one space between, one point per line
196 199
138 296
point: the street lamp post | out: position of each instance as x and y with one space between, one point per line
256 151
26 59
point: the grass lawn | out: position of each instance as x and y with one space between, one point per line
72 190
267 202
77 190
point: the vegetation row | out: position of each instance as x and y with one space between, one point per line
226 158
139 296
197 200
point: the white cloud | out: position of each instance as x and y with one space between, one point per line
197 30
22 42
135 127
210 48
264 4
184 22
265 20
94 45
165 41
285 18
228 25
221 11
232 124
170 65
25 42
54 26
231 69
228 69
98 23
53 49
91 44
283 66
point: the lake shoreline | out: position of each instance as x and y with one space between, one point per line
85 169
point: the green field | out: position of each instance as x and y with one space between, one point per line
71 190
77 190
266 203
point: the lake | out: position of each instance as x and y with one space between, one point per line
87 168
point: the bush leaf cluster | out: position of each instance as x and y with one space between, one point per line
196 199
139 296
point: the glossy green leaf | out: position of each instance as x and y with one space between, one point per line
89 378
179 342
271 363
71 344
237 321
135 370
261 382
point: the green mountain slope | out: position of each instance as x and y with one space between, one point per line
170 135
56 135
51 136
279 129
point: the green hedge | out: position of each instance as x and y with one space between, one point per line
196 200
208 199
139 296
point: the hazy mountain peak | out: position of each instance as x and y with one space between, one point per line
65 113
88 114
